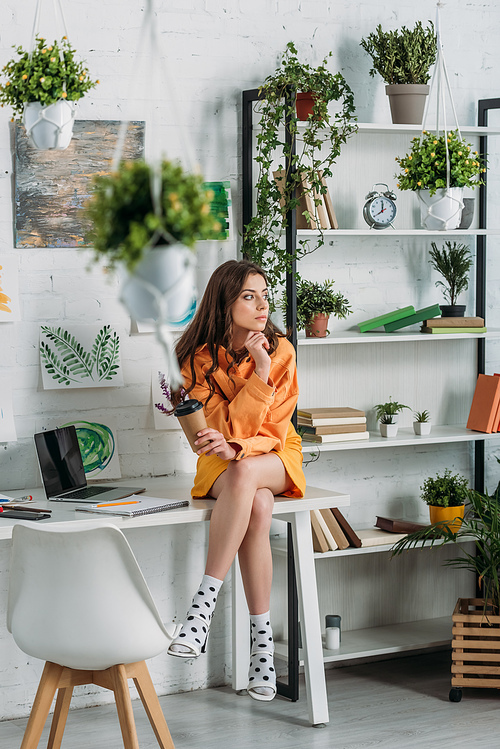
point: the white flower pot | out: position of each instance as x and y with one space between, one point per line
422 427
388 430
443 210
162 286
50 128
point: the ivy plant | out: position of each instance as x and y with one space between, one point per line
317 147
48 74
404 55
453 262
447 490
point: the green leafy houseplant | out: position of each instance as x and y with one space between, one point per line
402 56
445 491
422 417
320 145
425 167
453 262
389 410
125 222
50 73
318 298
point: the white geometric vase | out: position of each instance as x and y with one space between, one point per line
50 127
443 210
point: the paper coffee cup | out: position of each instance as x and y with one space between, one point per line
192 419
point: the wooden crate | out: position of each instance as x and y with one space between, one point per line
475 645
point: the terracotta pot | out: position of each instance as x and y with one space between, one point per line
318 326
407 101
304 105
452 516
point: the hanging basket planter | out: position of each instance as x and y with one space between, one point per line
50 127
443 210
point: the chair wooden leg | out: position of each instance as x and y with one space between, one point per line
149 698
41 705
59 718
124 706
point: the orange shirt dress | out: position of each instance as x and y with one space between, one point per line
250 412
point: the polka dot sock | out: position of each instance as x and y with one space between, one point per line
261 674
194 632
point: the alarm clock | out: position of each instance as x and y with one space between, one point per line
380 210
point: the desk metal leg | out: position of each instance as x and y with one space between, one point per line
241 630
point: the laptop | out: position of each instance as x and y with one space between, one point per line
63 474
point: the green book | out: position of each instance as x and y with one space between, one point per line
422 314
377 322
436 331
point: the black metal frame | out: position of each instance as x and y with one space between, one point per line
288 689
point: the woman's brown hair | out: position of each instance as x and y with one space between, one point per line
212 323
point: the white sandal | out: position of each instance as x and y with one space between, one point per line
198 644
257 681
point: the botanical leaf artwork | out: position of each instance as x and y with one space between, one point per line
98 447
87 357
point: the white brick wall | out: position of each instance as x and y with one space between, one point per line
214 49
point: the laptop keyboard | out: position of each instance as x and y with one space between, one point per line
89 491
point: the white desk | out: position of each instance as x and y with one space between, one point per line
294 511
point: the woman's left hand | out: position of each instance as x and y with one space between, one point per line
218 444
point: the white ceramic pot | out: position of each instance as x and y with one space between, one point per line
50 128
443 210
422 427
162 287
388 430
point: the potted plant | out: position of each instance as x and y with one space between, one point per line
320 144
445 495
437 169
387 415
43 86
150 238
403 58
315 303
422 422
453 262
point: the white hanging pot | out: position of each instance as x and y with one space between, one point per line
50 127
443 210
162 286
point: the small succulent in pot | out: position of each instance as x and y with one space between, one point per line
421 422
390 408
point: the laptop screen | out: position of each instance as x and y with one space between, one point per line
60 460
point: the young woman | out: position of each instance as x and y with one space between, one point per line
236 362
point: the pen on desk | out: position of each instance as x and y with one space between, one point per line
26 498
116 504
28 509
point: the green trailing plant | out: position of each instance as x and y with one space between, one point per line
68 362
315 298
423 417
453 262
481 524
402 56
317 149
48 74
123 218
447 490
425 167
389 409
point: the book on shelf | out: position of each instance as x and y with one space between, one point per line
455 322
455 329
305 203
377 322
334 224
349 532
330 540
421 314
323 439
496 420
333 525
398 525
332 415
334 428
320 544
485 403
378 537
319 206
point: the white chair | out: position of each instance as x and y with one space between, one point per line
78 600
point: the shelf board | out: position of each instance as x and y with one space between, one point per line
374 127
400 336
279 546
396 232
405 436
394 638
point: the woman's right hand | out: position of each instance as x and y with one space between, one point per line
218 444
257 345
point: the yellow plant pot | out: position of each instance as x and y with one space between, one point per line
452 516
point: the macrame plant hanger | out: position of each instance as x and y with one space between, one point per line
441 83
43 113
148 40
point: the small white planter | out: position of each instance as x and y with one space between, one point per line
162 286
388 430
50 128
443 210
422 427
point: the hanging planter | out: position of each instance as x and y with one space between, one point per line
442 210
50 127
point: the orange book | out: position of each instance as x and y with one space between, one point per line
483 410
496 423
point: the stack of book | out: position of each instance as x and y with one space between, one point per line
340 424
484 415
311 206
454 325
331 531
400 318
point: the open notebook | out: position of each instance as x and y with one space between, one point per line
134 505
